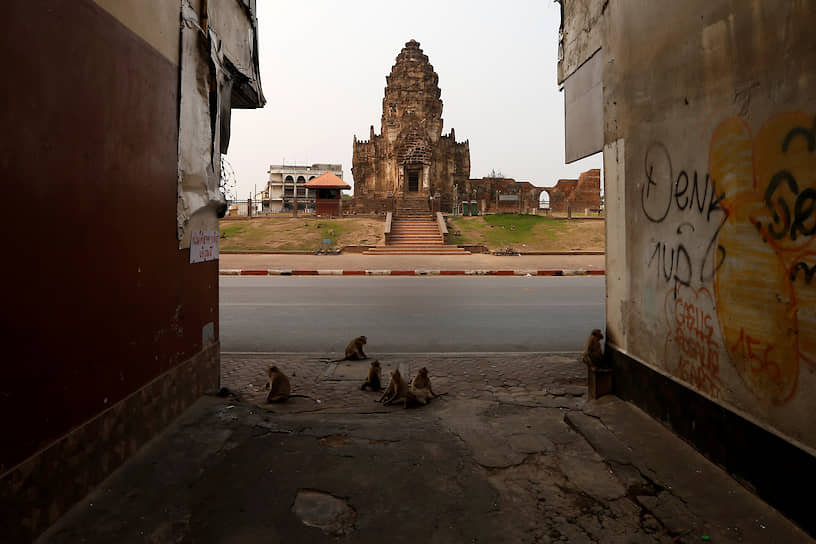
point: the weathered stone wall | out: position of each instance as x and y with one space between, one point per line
411 139
366 204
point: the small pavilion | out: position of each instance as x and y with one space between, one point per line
328 196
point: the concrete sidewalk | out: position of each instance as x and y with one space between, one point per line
513 453
450 263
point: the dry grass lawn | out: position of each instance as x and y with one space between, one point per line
523 232
528 232
298 233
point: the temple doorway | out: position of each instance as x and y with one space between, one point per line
413 181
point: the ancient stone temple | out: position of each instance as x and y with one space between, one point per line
411 160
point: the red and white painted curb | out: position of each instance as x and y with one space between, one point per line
261 272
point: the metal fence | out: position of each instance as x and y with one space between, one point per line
239 208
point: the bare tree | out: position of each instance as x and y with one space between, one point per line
229 180
495 174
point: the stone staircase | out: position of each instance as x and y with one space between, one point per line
415 234
413 208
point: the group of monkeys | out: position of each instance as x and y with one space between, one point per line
398 391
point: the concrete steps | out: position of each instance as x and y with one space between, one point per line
415 236
413 208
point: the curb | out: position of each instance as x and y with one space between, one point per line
234 272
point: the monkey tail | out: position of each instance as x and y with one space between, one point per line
305 397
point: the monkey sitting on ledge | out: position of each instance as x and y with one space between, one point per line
593 355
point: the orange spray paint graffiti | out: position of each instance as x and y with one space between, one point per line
764 287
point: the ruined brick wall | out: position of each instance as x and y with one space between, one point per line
576 194
587 191
490 190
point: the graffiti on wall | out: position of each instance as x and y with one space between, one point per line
677 260
691 320
746 233
764 289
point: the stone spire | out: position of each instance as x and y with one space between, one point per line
412 96
410 158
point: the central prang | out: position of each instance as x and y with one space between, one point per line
410 157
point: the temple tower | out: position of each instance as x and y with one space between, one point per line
410 157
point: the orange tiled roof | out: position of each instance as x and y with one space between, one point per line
327 180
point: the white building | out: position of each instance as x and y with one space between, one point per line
286 185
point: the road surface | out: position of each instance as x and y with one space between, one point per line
302 314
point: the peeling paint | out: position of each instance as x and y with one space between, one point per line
211 67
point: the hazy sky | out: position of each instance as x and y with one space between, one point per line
323 68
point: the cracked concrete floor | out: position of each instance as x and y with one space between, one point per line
513 453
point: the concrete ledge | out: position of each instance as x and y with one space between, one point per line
688 494
265 252
599 382
443 228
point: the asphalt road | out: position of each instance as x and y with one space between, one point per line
302 314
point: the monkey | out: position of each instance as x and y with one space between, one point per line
374 377
421 391
396 390
354 350
279 387
593 354
422 381
418 397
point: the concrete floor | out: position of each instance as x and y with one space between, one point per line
513 453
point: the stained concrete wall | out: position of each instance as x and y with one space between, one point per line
710 168
720 190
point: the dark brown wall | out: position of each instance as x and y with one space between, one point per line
98 300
